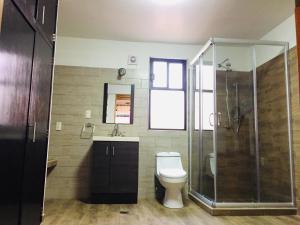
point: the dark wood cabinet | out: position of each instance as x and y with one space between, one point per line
41 14
26 57
46 16
101 167
114 172
37 140
28 7
124 167
16 50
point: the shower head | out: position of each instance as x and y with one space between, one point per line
224 61
225 64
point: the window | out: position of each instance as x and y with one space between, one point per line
207 98
167 94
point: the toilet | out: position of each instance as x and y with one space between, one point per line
212 163
172 177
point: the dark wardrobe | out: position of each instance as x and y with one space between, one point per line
26 64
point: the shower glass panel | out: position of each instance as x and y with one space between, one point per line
236 166
273 130
240 125
202 127
194 134
206 125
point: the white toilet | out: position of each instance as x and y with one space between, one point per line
172 177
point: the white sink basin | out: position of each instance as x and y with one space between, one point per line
116 138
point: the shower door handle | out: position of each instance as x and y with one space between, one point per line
211 123
219 118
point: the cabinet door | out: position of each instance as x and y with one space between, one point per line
16 50
28 7
46 16
124 167
31 7
36 148
100 167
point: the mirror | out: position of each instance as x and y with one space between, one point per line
118 103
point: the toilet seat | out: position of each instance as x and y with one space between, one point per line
172 173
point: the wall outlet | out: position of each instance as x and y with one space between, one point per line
58 126
88 114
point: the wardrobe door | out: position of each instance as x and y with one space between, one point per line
36 148
16 50
31 7
28 7
46 16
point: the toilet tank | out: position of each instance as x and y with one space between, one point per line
168 160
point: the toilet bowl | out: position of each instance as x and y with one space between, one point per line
212 163
172 177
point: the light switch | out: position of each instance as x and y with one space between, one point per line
58 126
88 114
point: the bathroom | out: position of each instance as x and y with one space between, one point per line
124 81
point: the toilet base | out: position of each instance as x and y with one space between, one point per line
160 191
173 198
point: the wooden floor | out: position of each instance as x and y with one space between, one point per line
147 212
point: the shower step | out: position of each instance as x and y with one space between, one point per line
244 211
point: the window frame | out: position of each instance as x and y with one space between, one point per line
184 88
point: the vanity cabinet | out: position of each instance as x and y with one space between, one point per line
114 172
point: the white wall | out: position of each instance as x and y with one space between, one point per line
285 31
114 54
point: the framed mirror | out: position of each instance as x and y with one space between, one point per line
118 103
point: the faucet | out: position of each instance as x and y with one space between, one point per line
116 131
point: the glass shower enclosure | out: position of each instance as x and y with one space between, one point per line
240 147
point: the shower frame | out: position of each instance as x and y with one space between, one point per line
201 199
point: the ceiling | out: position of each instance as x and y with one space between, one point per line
173 21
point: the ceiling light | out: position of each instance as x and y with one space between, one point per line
167 2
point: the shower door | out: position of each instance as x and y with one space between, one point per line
236 142
202 127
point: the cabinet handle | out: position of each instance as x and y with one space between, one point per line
113 149
106 150
1 12
34 132
43 16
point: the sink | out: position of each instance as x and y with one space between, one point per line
116 138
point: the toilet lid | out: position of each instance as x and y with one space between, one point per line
173 173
